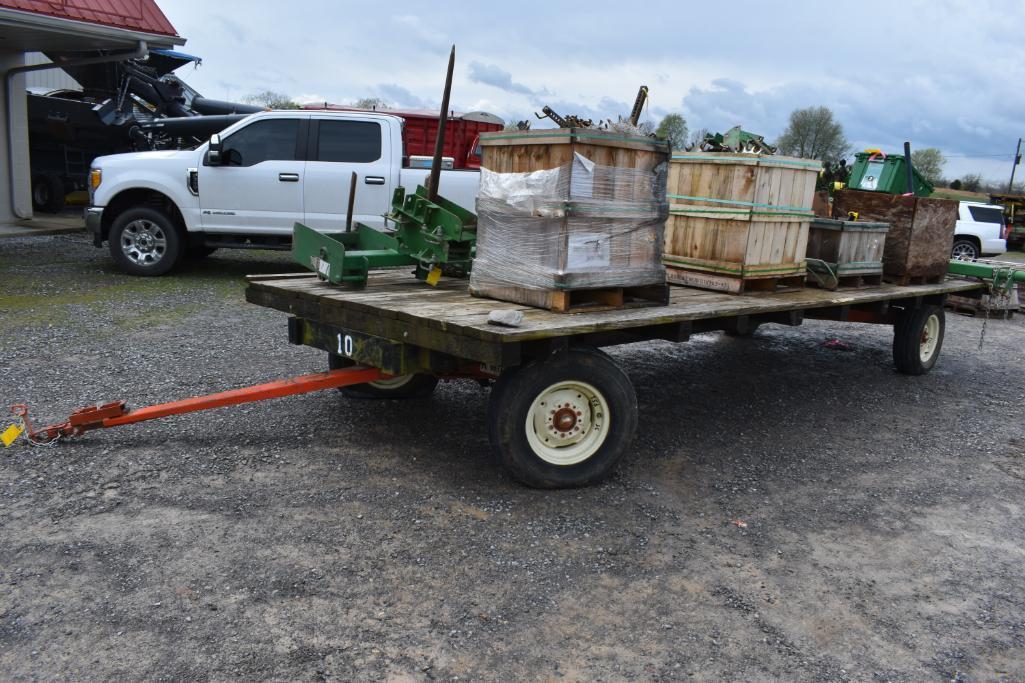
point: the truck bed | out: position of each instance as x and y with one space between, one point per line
446 319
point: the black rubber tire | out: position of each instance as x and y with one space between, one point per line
907 340
514 394
174 250
48 193
418 386
965 246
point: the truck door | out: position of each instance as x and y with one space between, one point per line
258 188
338 147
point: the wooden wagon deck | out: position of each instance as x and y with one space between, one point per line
398 309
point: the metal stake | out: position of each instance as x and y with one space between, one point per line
352 202
439 144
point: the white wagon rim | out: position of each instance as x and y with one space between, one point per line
567 423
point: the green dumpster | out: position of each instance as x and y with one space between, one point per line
885 173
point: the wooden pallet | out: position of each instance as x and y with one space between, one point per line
579 300
847 281
908 280
733 285
976 306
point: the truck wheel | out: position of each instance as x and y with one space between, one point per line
562 422
964 250
48 193
145 242
415 385
917 339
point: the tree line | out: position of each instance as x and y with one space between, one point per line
815 133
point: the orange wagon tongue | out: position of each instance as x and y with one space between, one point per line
116 413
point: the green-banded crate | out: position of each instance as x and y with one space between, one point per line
845 253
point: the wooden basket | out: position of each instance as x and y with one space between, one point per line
737 221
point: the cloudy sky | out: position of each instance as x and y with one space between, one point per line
941 73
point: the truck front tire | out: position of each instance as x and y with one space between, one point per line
145 241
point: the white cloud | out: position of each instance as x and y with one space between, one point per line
933 71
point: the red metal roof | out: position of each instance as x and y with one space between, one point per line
131 15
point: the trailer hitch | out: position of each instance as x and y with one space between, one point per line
116 413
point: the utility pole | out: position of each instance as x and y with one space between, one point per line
1017 160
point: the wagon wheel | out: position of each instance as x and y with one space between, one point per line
564 421
414 385
917 339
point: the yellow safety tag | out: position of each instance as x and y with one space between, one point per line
433 276
11 433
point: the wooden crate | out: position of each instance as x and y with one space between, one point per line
921 232
610 192
738 222
852 251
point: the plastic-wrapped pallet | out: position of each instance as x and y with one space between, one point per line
574 235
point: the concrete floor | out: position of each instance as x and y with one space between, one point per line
45 224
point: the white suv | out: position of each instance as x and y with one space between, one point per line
980 231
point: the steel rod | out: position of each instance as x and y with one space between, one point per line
284 387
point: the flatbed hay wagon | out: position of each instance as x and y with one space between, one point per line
561 412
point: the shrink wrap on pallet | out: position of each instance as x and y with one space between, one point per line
581 225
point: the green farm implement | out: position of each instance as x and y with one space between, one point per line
437 237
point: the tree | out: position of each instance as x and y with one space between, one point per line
673 130
929 161
370 103
271 99
955 185
813 133
696 138
971 182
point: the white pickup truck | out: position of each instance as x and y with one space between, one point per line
249 185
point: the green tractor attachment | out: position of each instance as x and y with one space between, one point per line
437 237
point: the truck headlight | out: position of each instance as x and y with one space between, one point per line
95 178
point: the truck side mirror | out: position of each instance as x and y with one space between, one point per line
213 152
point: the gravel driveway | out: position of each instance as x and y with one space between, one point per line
789 511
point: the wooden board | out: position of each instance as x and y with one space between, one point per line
578 300
446 318
921 231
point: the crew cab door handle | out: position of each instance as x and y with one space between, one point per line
374 180
288 177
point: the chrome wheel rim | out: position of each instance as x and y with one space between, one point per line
963 252
930 338
567 423
143 242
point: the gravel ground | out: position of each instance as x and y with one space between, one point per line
789 511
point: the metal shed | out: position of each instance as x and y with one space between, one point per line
107 30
